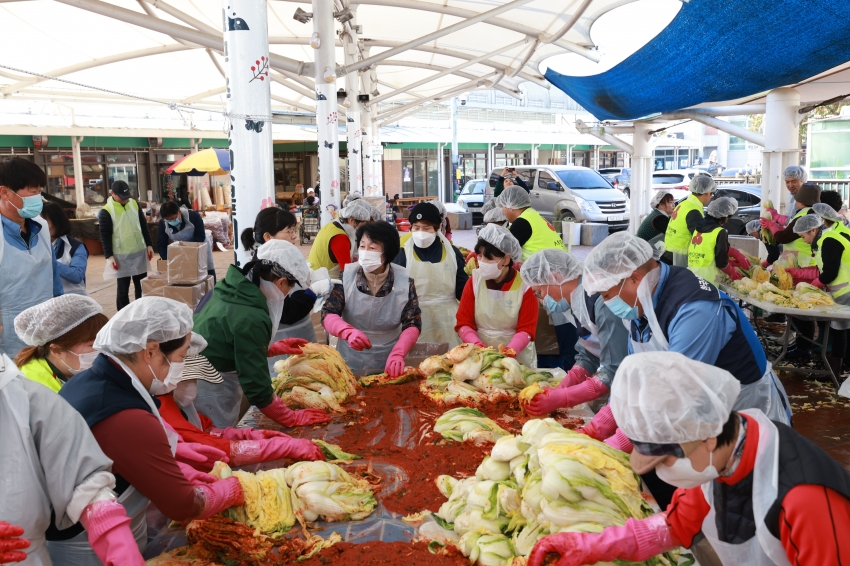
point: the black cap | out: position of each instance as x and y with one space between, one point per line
121 190
427 212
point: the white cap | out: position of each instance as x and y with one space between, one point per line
827 212
667 398
494 215
53 318
613 260
493 203
703 183
197 344
287 257
351 197
504 241
658 197
359 210
806 223
722 207
441 207
753 226
149 319
310 190
515 198
377 214
550 267
796 172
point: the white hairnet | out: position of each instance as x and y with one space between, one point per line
702 183
359 210
491 204
658 197
613 260
722 207
288 257
667 398
807 222
494 215
550 267
441 207
796 172
515 197
351 197
149 319
377 214
827 212
53 318
197 344
504 241
753 226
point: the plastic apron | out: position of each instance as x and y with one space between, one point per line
220 402
377 317
186 234
301 329
21 289
766 394
763 549
579 307
128 245
435 288
496 316
65 259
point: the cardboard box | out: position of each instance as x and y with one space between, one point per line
187 263
190 295
162 265
460 220
152 286
208 284
745 244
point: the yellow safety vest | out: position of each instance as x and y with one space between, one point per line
701 258
543 236
841 284
799 247
126 232
39 371
678 236
320 255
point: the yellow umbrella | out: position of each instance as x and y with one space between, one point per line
213 161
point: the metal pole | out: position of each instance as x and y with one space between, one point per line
352 114
367 114
79 189
455 164
246 62
326 112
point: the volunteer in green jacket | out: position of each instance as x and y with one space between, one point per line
334 243
685 217
792 244
238 324
709 250
655 224
531 230
59 334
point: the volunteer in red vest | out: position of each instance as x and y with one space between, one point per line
759 492
686 216
333 248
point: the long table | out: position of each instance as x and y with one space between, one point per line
816 314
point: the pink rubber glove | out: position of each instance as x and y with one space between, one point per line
338 327
803 274
740 258
194 476
287 346
221 495
469 336
246 452
283 415
778 218
636 541
733 273
620 441
395 361
817 283
770 225
576 375
601 426
519 342
231 433
108 530
199 455
557 398
11 544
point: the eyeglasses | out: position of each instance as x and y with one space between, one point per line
291 231
652 449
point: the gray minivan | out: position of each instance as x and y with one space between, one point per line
570 193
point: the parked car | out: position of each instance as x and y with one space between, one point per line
472 199
620 177
677 181
570 193
749 205
738 172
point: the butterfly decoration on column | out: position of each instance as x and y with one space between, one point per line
329 145
252 125
320 96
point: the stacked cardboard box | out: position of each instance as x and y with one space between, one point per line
183 277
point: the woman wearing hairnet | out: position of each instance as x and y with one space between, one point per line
492 216
333 247
709 252
792 244
655 224
239 323
497 307
555 277
686 216
141 352
753 229
59 334
757 490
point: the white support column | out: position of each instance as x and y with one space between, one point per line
367 114
641 175
79 189
246 62
781 144
377 161
352 115
326 110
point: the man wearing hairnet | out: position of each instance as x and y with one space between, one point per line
555 277
758 491
333 248
685 217
709 252
795 176
531 230
655 223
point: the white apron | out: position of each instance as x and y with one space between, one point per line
496 316
763 549
578 305
377 317
301 329
766 394
65 259
435 288
21 289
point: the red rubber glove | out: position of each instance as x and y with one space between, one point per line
740 258
620 441
199 455
557 398
733 273
601 426
338 327
395 361
284 416
221 495
469 336
194 476
287 346
770 225
108 530
817 283
231 433
636 541
11 544
576 375
246 452
803 274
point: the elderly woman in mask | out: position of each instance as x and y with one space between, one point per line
141 353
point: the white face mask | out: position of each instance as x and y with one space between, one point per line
175 371
185 392
369 260
423 239
86 360
682 473
489 270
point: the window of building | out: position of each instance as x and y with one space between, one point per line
735 143
419 176
511 158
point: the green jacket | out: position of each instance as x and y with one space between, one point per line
237 327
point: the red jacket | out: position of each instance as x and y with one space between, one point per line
170 413
527 321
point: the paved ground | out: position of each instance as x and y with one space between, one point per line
818 413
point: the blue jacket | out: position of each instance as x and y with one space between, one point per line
75 272
12 236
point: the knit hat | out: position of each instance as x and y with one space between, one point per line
427 212
808 194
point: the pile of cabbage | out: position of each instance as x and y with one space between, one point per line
547 480
471 373
316 379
